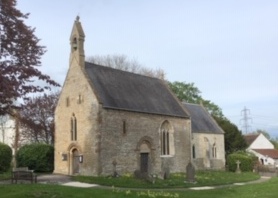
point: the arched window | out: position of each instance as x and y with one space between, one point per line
167 139
214 151
193 152
73 127
74 44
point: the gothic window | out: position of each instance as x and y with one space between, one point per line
79 99
167 139
214 151
73 126
193 152
67 102
165 143
124 127
74 44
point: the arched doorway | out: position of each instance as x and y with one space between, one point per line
75 161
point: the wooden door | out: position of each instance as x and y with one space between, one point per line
75 161
144 158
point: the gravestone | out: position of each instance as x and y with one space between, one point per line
238 167
190 173
115 174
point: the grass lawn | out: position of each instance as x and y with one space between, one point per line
266 190
203 178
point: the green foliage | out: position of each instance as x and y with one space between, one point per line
234 140
247 161
187 92
38 157
5 157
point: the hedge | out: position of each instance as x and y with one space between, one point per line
247 161
37 157
6 156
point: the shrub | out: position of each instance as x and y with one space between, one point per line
5 157
37 157
247 161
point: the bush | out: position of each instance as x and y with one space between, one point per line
247 161
37 157
6 156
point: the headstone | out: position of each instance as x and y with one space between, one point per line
190 173
115 174
238 167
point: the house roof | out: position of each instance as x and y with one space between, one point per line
272 153
123 90
201 120
250 138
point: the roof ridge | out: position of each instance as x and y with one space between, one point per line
120 70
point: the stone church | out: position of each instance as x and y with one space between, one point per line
110 121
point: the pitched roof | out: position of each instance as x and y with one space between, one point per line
201 120
250 138
272 153
123 90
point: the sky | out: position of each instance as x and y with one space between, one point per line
228 49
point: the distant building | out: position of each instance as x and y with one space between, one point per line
7 131
259 145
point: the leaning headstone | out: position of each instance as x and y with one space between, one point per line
238 167
190 173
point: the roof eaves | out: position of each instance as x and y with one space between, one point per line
137 111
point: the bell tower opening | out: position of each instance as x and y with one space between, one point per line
74 44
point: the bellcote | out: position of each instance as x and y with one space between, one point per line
77 39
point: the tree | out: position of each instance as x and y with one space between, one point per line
121 62
234 140
5 157
187 92
20 56
37 119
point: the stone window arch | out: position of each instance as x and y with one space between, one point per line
73 127
167 139
74 44
193 152
214 151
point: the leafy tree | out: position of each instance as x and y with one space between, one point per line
38 157
234 140
37 118
188 92
5 157
121 62
20 56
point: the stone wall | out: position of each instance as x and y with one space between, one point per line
204 158
76 98
124 146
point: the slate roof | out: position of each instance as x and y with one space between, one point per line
250 138
272 153
201 120
123 90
